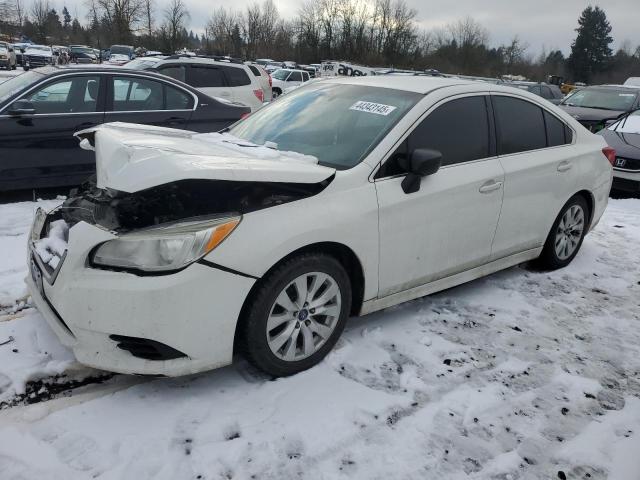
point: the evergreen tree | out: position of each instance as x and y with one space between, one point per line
66 18
590 51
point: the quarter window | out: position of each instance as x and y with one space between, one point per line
557 132
79 94
520 125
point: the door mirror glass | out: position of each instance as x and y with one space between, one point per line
21 107
420 163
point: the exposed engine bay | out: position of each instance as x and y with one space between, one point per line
121 212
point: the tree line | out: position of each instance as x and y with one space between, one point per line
370 32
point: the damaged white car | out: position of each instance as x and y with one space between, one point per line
345 197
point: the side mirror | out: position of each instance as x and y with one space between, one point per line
420 163
21 108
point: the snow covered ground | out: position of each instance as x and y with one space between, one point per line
521 375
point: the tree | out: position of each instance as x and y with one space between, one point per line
176 15
590 51
66 18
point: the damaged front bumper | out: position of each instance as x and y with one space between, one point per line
122 322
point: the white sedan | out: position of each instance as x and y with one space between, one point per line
345 197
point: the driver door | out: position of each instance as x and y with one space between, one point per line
448 225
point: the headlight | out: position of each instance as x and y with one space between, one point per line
3 57
170 247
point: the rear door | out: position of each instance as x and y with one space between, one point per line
532 150
39 150
139 99
243 90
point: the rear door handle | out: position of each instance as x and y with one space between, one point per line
564 166
490 186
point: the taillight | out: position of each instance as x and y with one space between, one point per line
270 81
260 94
244 115
610 153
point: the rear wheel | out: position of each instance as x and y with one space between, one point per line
297 314
566 235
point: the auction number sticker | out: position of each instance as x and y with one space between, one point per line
371 107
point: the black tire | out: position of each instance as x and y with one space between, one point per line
275 93
253 330
549 259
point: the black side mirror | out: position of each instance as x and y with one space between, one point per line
420 163
21 108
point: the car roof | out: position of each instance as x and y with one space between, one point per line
417 84
203 60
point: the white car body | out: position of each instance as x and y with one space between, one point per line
632 82
248 89
118 59
286 78
467 220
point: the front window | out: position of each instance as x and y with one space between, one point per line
281 74
336 123
605 99
18 83
67 95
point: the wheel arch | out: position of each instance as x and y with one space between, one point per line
591 202
345 255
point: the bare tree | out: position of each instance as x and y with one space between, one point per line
40 18
175 15
121 17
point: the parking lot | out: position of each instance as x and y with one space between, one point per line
523 374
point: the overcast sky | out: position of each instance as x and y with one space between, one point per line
541 24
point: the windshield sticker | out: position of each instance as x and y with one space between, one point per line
626 94
370 107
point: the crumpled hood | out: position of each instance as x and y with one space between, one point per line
132 157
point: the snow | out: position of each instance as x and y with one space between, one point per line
52 247
520 375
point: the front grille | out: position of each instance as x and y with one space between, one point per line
36 60
146 349
627 163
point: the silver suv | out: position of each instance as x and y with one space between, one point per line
219 77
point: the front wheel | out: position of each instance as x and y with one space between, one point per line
297 314
566 235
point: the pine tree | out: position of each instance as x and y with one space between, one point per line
590 51
66 18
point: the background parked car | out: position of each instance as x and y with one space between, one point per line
544 90
126 50
37 56
264 79
594 106
624 137
82 54
41 110
7 56
285 78
231 80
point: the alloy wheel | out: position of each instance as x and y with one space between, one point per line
303 316
569 232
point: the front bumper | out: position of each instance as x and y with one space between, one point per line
194 311
625 180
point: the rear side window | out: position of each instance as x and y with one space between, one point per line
236 77
177 99
173 71
520 125
205 76
295 77
254 70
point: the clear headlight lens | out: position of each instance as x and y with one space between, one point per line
164 248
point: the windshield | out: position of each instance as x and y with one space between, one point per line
120 50
629 124
82 50
41 49
281 74
336 123
142 63
609 99
17 83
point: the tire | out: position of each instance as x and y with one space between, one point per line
564 241
275 93
308 336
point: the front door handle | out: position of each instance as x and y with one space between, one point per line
490 186
564 166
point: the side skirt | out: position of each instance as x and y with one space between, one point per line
376 304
